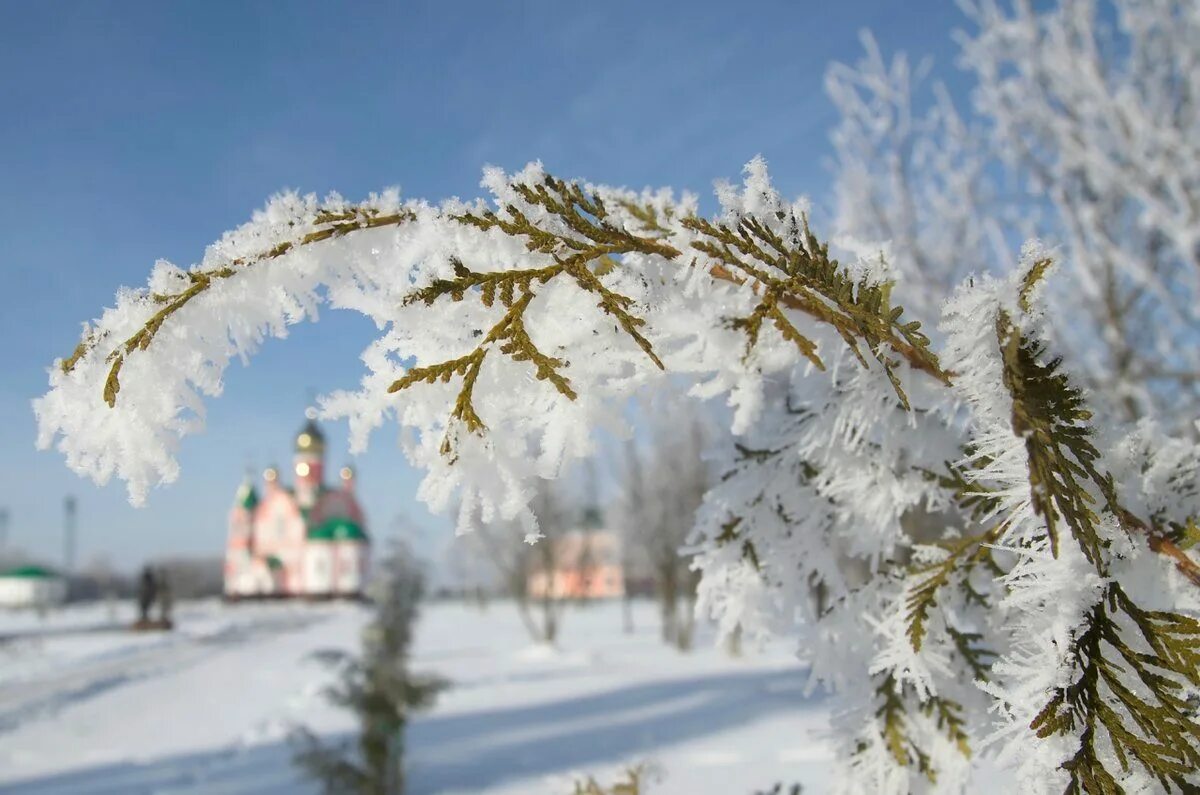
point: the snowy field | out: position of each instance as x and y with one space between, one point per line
87 708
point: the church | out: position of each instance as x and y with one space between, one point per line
307 540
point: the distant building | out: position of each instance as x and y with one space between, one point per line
306 540
31 586
586 565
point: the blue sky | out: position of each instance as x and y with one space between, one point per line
134 131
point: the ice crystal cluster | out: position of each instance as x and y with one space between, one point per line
969 560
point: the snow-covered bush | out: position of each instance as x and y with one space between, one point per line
968 557
1049 614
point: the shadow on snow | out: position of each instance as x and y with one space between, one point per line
472 750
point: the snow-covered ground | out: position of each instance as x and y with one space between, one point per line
86 707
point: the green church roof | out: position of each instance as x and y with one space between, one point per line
274 562
30 572
337 529
247 496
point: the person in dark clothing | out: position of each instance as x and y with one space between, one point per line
147 591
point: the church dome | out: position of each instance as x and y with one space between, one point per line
247 495
310 439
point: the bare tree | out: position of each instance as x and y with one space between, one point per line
911 175
1085 131
662 481
519 563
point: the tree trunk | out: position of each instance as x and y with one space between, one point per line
686 632
668 594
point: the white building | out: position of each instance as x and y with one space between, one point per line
31 586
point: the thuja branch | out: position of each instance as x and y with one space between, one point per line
1155 725
893 714
797 272
790 270
1161 543
502 284
585 235
514 341
1133 696
962 556
330 224
1185 565
1051 416
730 534
587 240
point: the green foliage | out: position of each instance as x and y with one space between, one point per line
893 710
978 658
1130 665
1049 413
963 555
379 689
1129 691
948 716
647 216
751 457
729 534
466 366
768 309
331 766
796 271
506 283
1189 533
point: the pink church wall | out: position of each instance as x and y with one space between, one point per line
277 528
